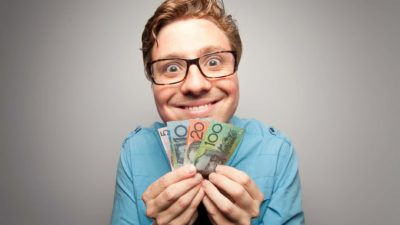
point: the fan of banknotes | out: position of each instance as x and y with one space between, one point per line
205 143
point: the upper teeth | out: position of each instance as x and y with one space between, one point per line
197 108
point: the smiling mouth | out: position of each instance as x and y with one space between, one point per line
198 108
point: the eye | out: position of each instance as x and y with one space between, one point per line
172 69
213 62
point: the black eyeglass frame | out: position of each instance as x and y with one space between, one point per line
190 62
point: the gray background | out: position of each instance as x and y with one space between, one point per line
72 86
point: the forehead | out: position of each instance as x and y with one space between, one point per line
189 38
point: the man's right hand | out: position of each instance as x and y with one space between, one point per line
173 198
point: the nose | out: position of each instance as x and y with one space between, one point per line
195 83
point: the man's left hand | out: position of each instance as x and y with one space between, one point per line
232 197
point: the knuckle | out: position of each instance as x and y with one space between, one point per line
183 202
160 221
149 212
169 195
239 192
227 209
193 205
163 182
245 221
245 180
255 212
212 212
144 197
261 197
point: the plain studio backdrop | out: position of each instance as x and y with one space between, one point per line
72 86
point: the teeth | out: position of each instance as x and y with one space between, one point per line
197 108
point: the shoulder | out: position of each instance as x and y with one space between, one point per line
141 135
256 127
273 139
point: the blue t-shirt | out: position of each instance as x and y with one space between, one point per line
265 154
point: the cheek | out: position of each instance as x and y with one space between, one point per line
231 87
233 92
157 94
162 95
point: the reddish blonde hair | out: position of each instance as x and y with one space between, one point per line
173 10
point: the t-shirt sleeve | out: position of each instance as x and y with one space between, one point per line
286 202
125 208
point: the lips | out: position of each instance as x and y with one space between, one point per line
195 103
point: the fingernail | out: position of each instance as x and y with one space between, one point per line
203 184
198 177
217 169
211 176
191 169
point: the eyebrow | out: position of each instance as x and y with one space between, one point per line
201 52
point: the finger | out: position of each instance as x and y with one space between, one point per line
236 192
172 193
179 206
191 210
224 205
214 214
194 218
241 178
165 181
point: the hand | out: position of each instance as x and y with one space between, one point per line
240 201
173 198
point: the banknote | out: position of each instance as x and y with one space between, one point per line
217 145
178 131
196 131
163 132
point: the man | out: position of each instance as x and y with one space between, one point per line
191 51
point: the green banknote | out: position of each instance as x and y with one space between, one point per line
217 146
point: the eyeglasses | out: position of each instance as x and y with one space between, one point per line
213 65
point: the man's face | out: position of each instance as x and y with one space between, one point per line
196 96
